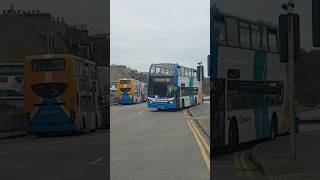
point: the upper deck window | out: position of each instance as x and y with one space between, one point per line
187 72
159 69
220 31
245 41
256 37
273 43
232 32
153 70
57 64
264 39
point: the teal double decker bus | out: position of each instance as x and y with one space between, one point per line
172 86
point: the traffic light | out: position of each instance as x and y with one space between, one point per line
316 22
283 36
200 73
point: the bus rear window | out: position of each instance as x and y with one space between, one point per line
124 81
48 64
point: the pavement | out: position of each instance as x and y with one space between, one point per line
310 116
12 134
149 144
274 156
202 118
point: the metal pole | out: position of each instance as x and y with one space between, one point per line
291 87
201 81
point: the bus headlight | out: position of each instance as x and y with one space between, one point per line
150 100
170 100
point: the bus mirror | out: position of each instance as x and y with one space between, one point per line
283 36
316 22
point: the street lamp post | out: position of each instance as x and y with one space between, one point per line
291 79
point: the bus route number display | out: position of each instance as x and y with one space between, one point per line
161 79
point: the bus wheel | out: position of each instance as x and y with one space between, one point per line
273 128
233 137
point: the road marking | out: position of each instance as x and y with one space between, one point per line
97 160
141 112
200 136
237 164
201 147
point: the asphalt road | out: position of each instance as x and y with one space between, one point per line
148 144
239 165
80 157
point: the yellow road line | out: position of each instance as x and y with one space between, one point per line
237 163
201 137
201 147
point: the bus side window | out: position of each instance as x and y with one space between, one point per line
244 35
232 32
256 37
265 39
220 31
182 71
153 70
273 43
158 70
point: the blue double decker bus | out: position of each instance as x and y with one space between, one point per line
172 86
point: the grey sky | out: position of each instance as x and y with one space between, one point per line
155 31
91 12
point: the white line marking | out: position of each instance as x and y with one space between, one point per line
97 160
141 112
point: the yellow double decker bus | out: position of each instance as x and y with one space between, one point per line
61 94
129 91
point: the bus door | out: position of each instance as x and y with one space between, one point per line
217 110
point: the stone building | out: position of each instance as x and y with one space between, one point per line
33 32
